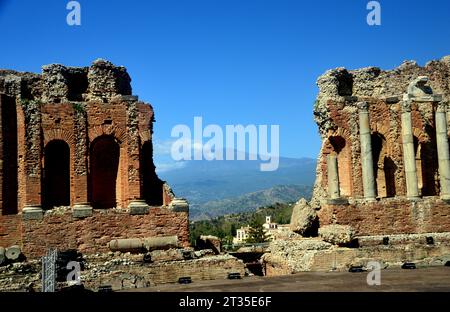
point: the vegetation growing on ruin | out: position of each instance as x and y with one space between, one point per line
78 107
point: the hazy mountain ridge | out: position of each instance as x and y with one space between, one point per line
250 202
214 188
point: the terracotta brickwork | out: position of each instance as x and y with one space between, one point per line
390 216
92 234
76 136
386 96
385 123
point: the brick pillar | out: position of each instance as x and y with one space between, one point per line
409 157
33 153
366 152
82 207
443 149
136 203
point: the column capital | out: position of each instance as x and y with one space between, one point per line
363 106
442 107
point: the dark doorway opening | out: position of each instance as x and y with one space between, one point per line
390 169
384 167
152 185
104 156
426 166
56 175
9 131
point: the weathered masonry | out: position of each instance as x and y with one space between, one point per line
384 166
75 137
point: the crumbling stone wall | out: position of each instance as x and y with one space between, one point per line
302 255
336 113
78 107
125 271
92 234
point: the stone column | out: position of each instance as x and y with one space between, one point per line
333 177
366 152
443 149
409 157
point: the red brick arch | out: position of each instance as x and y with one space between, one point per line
387 133
110 130
340 132
59 134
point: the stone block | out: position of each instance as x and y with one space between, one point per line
82 211
138 207
32 213
337 234
304 218
179 205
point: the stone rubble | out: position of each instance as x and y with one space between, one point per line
304 218
127 270
337 234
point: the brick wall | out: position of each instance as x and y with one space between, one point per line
390 216
50 156
90 235
10 230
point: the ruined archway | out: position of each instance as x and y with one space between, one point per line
343 154
384 167
390 169
56 175
104 166
152 186
426 167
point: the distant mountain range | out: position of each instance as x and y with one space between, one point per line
250 202
215 188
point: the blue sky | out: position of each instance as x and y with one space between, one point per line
229 61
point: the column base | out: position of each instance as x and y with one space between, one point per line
82 210
446 198
179 205
413 198
138 207
337 201
32 212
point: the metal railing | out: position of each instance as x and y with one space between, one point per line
49 270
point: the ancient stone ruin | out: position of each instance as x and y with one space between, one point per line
77 168
382 189
384 165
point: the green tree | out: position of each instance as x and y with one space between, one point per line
257 234
233 229
227 240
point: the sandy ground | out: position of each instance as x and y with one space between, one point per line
421 279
